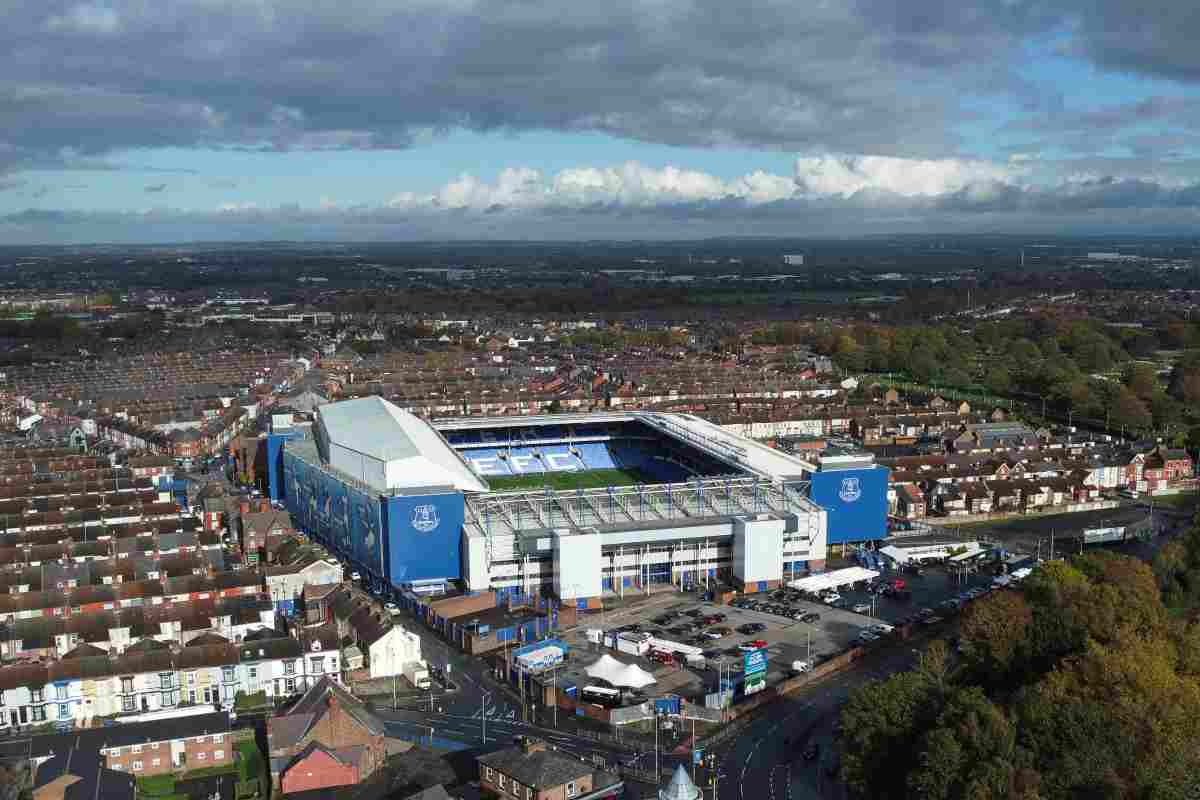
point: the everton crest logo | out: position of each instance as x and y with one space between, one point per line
425 518
851 490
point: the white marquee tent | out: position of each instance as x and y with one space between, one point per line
629 676
834 579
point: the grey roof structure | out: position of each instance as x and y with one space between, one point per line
539 769
681 787
412 452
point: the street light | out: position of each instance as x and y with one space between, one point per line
483 702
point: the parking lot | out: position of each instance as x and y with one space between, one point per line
778 620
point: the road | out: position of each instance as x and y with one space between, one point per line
763 761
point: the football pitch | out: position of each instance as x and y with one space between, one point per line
592 479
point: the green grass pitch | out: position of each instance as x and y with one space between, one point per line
592 479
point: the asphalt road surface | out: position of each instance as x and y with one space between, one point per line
763 761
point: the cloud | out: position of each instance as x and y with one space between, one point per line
156 188
845 175
85 18
836 196
857 76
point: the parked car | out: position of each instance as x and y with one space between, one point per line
830 599
714 635
811 752
868 636
882 628
800 667
861 608
811 617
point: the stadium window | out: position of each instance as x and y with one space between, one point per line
137 766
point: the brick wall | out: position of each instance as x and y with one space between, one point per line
207 751
336 728
318 770
126 760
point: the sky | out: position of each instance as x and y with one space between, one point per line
189 120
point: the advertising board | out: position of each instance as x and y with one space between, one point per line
541 655
754 662
754 670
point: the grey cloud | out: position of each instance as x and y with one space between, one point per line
156 188
369 74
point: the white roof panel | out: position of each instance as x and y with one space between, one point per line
417 455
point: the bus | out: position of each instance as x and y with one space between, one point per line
609 698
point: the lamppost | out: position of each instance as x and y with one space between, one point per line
483 709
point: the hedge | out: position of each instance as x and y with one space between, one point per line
156 785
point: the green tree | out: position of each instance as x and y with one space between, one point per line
881 723
993 632
970 753
998 380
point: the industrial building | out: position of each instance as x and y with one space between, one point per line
655 500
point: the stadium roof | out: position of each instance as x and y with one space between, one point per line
754 456
378 429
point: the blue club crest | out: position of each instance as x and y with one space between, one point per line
425 518
850 491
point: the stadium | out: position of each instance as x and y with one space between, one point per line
574 506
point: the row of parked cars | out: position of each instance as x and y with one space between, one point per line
777 605
931 616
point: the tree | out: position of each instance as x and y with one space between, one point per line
993 631
1142 380
998 380
1129 411
881 724
968 754
934 663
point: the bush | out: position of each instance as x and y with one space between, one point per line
250 761
244 702
247 789
156 785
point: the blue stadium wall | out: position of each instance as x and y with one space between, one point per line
856 502
391 540
275 482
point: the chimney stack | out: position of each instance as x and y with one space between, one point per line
532 745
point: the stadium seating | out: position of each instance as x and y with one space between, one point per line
633 449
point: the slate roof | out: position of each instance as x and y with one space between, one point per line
287 730
541 769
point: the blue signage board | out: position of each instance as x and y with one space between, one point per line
754 662
855 501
